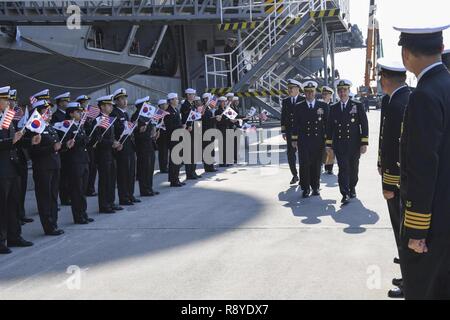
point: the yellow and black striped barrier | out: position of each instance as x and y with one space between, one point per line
325 13
252 25
272 5
248 94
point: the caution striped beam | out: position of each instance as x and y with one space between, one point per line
248 94
252 25
272 5
325 13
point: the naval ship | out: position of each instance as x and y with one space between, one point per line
152 47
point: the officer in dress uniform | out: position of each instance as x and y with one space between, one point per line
308 135
173 122
126 156
60 115
236 126
145 136
10 229
187 106
45 155
327 97
288 109
88 126
163 142
348 136
23 155
76 152
105 144
393 77
424 169
223 124
209 121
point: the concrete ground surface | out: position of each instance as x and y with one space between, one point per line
242 233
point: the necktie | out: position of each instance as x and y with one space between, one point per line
343 107
310 106
293 100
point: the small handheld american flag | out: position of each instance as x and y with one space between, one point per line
106 122
33 100
7 118
159 114
92 112
19 114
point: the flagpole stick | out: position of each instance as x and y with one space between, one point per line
65 133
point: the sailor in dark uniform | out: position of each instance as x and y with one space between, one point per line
209 121
45 155
308 136
223 124
162 142
10 229
348 136
23 156
145 135
237 127
75 150
59 116
126 157
424 169
327 97
288 108
173 122
105 144
393 77
88 126
185 110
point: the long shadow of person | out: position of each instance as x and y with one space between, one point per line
331 180
355 215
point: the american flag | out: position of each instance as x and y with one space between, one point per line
128 128
19 114
105 122
33 100
83 119
46 115
159 114
7 118
213 101
92 112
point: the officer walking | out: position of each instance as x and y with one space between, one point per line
10 229
424 170
289 106
126 157
348 137
308 136
393 77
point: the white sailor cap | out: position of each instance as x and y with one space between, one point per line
162 101
13 94
292 82
343 83
391 65
120 93
222 99
172 95
235 98
197 98
326 89
41 104
142 100
82 98
190 91
422 37
229 95
446 51
4 92
310 85
109 99
42 95
63 97
206 95
72 106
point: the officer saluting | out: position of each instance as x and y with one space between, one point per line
308 136
425 175
10 229
288 109
348 137
393 77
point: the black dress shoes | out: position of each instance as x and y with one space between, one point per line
163 171
81 221
396 260
294 180
107 210
316 193
126 203
396 293
191 178
345 200
397 282
91 194
135 200
90 220
56 232
4 249
26 220
19 243
176 185
306 193
117 208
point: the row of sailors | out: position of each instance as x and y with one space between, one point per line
65 165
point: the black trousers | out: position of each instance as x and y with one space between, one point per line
145 166
64 187
310 165
292 156
223 149
174 169
10 228
348 163
126 175
191 166
79 176
106 184
46 185
163 155
92 171
208 166
23 183
395 215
